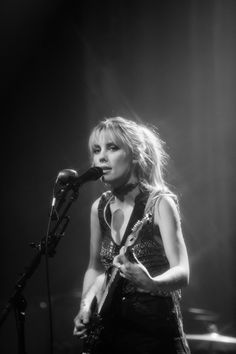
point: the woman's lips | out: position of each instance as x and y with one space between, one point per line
106 169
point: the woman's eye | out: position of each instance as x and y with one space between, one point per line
113 147
96 151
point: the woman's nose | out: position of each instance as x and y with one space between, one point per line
102 156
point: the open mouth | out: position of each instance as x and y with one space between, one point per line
106 169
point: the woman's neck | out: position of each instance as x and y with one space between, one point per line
126 192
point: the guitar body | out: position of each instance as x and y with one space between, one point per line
100 309
102 303
94 331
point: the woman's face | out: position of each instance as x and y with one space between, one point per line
114 159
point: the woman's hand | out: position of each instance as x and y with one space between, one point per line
83 317
135 272
80 322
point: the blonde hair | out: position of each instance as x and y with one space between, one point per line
146 148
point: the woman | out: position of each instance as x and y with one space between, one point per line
144 314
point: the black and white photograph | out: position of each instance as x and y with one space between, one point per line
118 171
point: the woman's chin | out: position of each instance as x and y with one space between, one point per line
113 183
106 180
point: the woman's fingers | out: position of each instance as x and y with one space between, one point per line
122 251
81 334
134 272
122 272
80 322
121 257
116 262
79 328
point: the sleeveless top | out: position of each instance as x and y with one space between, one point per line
148 247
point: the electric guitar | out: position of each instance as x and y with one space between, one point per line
101 303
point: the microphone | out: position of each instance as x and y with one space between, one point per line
72 177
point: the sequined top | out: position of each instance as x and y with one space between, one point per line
148 248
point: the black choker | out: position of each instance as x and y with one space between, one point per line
121 191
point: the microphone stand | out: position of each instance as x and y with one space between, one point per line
57 225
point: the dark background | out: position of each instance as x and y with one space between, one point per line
65 65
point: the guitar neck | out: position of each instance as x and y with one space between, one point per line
106 297
107 294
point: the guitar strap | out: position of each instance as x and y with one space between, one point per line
137 214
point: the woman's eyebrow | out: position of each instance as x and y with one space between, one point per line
110 143
95 146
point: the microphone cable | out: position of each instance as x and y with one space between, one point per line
47 270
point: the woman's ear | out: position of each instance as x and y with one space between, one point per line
135 159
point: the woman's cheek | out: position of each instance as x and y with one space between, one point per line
95 160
